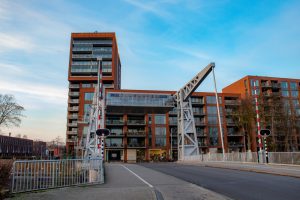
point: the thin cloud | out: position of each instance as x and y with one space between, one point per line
151 7
10 42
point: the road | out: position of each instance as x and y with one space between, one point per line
234 184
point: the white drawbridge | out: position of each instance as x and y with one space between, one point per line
187 137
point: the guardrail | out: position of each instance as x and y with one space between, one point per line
30 175
292 158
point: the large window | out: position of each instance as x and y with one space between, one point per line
255 90
160 136
254 83
86 112
212 110
284 85
150 136
88 96
285 93
212 120
160 119
212 100
293 86
294 93
213 136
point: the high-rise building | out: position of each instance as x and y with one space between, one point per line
85 49
279 108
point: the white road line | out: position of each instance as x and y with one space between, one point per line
138 177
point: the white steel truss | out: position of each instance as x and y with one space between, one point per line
94 146
187 136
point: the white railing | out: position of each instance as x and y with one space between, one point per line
292 158
30 175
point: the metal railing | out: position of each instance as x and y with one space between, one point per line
30 175
292 158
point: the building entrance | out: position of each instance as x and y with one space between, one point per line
114 155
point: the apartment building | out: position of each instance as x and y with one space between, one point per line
85 49
279 108
143 124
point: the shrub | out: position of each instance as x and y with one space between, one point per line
5 171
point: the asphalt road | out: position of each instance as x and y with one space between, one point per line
233 183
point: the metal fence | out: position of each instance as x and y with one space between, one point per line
32 175
292 158
273 157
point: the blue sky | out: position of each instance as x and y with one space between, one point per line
162 45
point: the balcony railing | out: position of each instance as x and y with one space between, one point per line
202 144
200 123
74 101
74 108
74 124
114 122
74 94
136 134
266 84
238 134
173 122
201 134
235 144
232 102
135 122
113 134
73 116
72 132
136 145
74 86
114 145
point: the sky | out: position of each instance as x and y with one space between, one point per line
162 45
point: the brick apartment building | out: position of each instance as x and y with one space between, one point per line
143 123
272 90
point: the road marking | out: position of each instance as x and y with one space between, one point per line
138 176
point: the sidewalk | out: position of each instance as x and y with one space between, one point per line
276 169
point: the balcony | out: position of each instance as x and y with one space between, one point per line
116 134
266 85
74 132
73 116
136 134
71 140
135 122
232 102
173 122
74 86
74 94
73 108
73 124
82 49
202 144
125 102
235 134
276 85
230 122
200 123
136 145
74 101
201 134
198 112
114 122
235 144
114 145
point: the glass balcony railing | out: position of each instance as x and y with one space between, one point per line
136 134
135 122
138 99
114 122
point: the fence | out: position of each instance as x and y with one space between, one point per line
273 157
44 174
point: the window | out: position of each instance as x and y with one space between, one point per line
254 83
257 91
293 86
160 136
149 118
284 85
213 136
285 93
150 136
295 103
212 110
212 120
86 85
294 93
88 96
160 119
86 112
212 100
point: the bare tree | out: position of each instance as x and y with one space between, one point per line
10 111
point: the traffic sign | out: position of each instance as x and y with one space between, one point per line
103 131
265 132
